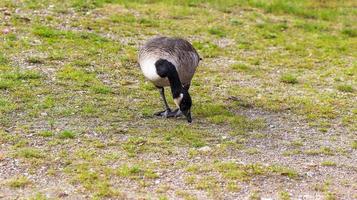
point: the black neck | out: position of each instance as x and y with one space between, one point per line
165 68
175 84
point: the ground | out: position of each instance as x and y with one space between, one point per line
274 101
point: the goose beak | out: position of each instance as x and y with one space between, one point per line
188 116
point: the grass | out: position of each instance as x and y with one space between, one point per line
18 182
277 78
328 163
284 195
289 78
345 88
29 152
66 134
354 144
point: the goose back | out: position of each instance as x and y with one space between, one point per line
177 51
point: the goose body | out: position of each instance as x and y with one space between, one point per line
170 62
177 51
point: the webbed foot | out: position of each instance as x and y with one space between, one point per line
166 113
177 113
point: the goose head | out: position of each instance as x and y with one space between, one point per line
184 102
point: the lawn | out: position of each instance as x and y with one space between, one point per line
274 101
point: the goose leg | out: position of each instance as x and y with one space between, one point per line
167 112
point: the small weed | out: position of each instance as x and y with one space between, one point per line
29 152
77 75
283 195
322 150
21 75
135 145
207 183
186 135
350 32
252 151
66 134
190 180
236 22
46 32
35 60
284 171
3 59
255 195
328 163
18 182
185 195
101 89
232 186
38 196
46 133
241 67
289 78
208 49
345 88
354 144
217 31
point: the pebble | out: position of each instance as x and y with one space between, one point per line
6 31
205 149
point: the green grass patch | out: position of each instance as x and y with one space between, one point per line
289 79
101 89
186 135
328 163
135 145
350 32
136 172
29 152
47 32
46 133
35 60
322 151
18 182
354 144
6 105
3 59
220 115
21 75
217 31
66 134
241 67
345 88
208 49
75 74
284 171
283 195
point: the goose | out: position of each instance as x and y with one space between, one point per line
172 62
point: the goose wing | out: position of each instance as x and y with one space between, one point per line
176 50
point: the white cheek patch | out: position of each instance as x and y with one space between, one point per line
178 100
149 70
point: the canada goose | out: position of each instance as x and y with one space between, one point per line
170 62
